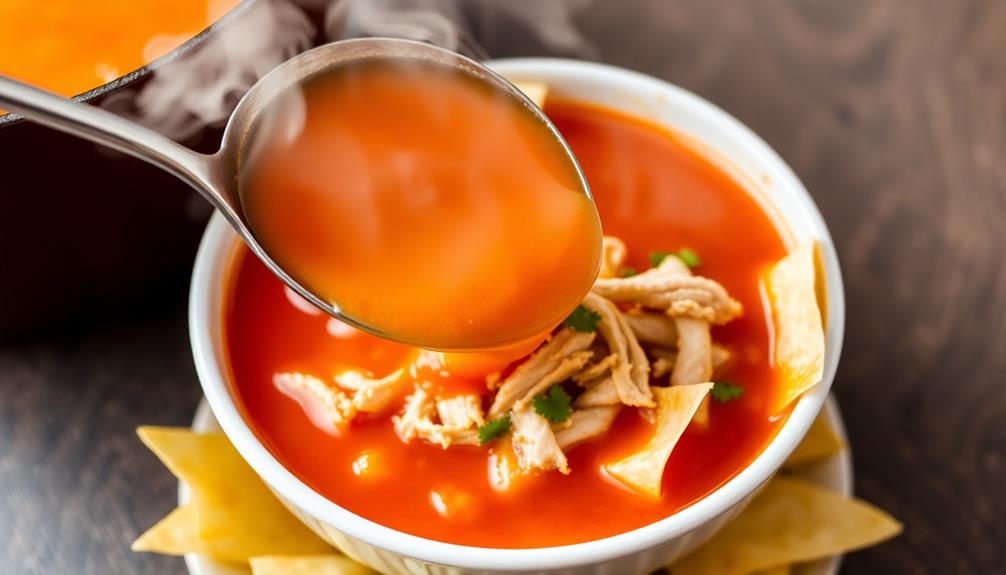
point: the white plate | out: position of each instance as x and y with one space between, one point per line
834 473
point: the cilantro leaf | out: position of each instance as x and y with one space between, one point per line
657 257
686 255
553 405
725 391
493 429
582 319
628 272
689 257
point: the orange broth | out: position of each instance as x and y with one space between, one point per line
427 205
70 46
651 190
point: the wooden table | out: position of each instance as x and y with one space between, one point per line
893 114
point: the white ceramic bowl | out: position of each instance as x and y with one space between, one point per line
726 141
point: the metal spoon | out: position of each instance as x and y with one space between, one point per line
216 176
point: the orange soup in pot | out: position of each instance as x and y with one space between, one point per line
70 47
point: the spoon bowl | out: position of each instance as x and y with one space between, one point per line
217 177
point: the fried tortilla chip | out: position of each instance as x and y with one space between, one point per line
237 517
790 521
308 565
176 534
535 91
821 442
781 570
643 471
799 333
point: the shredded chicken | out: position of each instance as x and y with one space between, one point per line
459 419
548 361
666 308
585 424
612 257
631 370
663 360
694 362
568 367
602 392
679 295
332 406
372 395
653 328
535 443
595 370
461 411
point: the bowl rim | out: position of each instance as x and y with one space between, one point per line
208 280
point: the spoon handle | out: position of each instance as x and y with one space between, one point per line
103 127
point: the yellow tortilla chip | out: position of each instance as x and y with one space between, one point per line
799 332
781 570
176 534
536 91
643 471
790 521
237 517
821 442
308 565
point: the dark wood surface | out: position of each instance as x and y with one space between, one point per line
894 115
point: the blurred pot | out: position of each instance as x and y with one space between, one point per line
86 232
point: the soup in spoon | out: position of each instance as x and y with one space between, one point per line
424 203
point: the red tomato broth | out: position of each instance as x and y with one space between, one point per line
411 186
646 183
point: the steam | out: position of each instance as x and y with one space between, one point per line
201 88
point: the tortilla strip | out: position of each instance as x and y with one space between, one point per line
308 565
535 91
546 359
612 257
631 372
821 442
237 515
585 424
643 471
790 521
799 333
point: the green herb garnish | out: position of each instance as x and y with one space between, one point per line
688 256
582 319
553 405
725 391
493 429
657 257
628 272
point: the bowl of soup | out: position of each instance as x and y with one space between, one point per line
570 455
